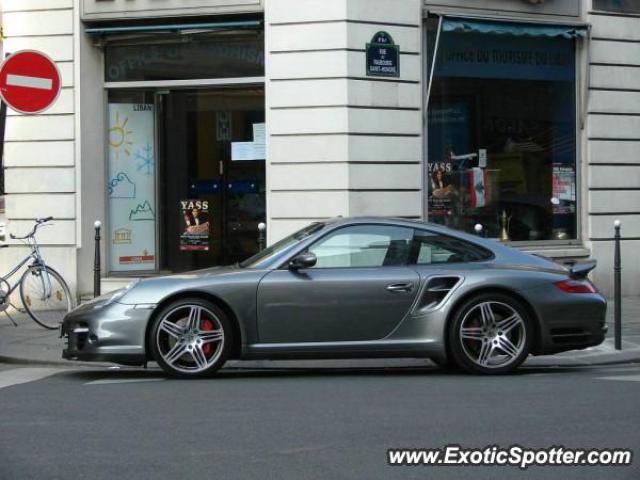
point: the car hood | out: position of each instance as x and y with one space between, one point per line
153 290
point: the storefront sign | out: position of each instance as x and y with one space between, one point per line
383 56
131 187
121 9
196 221
489 56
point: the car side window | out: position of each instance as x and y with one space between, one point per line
434 248
364 246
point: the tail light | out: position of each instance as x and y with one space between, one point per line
576 286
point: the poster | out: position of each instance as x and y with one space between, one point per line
197 225
441 190
564 189
449 142
131 187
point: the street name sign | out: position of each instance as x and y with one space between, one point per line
383 56
29 81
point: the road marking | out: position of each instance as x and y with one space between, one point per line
29 82
622 378
17 376
109 381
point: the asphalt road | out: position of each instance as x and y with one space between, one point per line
301 423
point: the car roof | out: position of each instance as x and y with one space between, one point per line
407 222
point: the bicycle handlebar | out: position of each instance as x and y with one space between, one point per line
39 221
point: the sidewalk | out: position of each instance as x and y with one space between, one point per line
29 343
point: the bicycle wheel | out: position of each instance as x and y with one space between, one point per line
45 295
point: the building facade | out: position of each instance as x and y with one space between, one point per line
181 126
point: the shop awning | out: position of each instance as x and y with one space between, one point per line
516 29
173 27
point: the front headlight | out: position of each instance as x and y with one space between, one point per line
114 296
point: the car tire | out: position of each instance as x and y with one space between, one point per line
191 338
490 333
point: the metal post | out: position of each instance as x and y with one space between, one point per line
617 294
262 227
96 262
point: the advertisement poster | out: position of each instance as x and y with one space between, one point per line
564 189
449 136
440 188
196 221
131 187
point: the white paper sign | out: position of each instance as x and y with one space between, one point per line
259 133
131 187
242 151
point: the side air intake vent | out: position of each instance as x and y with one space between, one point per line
436 291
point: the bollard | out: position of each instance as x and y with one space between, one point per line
96 261
478 229
262 227
617 294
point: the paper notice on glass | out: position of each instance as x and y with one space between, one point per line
243 151
564 184
259 133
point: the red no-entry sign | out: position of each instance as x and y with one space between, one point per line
29 81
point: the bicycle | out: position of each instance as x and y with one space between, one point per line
44 293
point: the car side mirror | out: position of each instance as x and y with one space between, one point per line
303 260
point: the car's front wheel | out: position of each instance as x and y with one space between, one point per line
191 338
490 333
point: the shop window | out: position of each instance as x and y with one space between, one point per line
502 134
185 58
131 184
621 6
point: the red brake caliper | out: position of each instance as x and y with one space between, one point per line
207 325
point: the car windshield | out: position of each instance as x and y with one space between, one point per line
279 249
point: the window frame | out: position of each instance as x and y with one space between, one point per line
612 12
285 264
415 251
579 87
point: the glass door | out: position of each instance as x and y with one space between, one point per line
212 176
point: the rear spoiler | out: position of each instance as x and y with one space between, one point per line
582 269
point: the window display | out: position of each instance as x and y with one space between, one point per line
502 136
622 6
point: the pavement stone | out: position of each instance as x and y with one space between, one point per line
29 343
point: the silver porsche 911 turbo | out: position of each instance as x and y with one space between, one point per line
348 288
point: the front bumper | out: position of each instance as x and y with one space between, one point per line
111 333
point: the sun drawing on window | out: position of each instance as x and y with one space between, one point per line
120 137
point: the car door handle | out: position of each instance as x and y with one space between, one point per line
400 287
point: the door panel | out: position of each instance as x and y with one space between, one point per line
333 304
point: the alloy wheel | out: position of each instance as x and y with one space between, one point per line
493 335
190 338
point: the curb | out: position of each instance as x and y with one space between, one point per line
583 363
57 363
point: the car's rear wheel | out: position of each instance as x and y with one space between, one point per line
191 338
490 333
